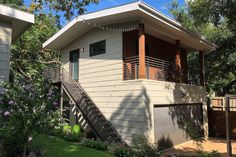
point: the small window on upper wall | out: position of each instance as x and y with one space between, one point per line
97 48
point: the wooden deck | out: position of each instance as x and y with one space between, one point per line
190 148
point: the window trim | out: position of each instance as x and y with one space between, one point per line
90 45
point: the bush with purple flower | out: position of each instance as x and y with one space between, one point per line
30 107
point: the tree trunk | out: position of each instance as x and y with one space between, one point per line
24 151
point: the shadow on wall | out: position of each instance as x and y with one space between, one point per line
187 115
165 142
133 116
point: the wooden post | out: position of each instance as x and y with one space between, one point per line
142 68
228 138
202 68
61 103
178 61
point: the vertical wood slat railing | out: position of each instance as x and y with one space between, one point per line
94 117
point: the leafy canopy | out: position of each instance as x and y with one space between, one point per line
69 8
215 21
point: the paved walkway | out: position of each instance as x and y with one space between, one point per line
190 147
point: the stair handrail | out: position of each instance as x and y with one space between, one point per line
64 75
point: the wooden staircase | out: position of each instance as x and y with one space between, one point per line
91 113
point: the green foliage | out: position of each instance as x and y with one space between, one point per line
122 152
142 147
215 21
35 100
66 129
27 52
214 11
68 133
214 153
26 109
12 3
69 8
72 137
76 129
95 144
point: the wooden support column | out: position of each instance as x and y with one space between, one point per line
142 66
61 103
202 68
178 61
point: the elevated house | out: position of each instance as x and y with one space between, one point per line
124 73
13 23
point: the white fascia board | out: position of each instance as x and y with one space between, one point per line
16 14
139 6
60 32
94 15
158 14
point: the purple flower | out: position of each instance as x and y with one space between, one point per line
50 93
11 102
7 113
55 103
49 98
28 87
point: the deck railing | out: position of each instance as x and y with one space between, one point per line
156 69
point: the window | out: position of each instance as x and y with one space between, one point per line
97 48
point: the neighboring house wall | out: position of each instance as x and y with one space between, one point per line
129 105
5 43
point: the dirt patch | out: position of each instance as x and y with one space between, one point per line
190 148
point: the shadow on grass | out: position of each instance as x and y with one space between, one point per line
54 147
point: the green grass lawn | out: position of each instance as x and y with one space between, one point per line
55 147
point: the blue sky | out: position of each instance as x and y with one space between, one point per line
160 5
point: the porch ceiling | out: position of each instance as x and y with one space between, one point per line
155 22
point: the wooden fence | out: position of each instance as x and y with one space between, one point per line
216 117
219 103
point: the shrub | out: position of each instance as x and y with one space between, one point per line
72 137
214 153
142 147
26 109
66 129
95 144
69 133
76 129
122 152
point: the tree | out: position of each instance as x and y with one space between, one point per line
213 20
28 53
14 3
70 8
220 64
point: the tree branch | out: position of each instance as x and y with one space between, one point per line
225 89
